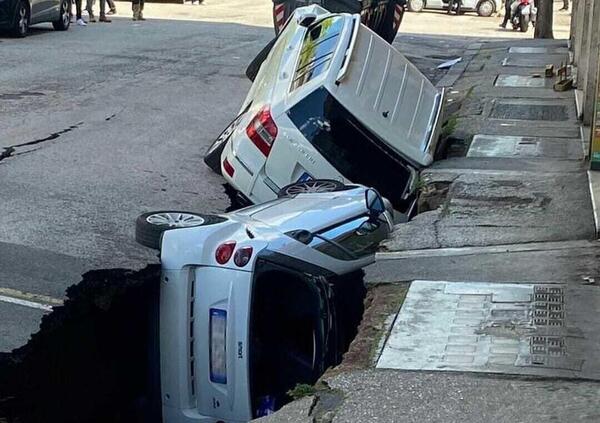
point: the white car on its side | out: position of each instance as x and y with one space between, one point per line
248 299
331 100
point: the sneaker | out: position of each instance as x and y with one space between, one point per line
91 17
112 12
81 22
104 19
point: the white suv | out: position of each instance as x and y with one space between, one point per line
332 100
247 303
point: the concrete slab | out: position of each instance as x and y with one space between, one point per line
525 147
534 61
482 327
487 207
520 127
538 50
523 81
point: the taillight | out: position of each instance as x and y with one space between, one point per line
229 169
262 130
242 256
224 252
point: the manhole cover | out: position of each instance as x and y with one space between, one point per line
549 112
520 81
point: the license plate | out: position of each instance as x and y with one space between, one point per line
305 177
218 350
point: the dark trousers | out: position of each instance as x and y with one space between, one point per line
111 4
90 6
565 4
507 12
451 4
77 9
140 2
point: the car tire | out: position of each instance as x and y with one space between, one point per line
64 20
311 186
486 8
149 227
20 26
416 5
254 66
212 158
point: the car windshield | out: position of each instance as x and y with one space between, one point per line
349 146
318 47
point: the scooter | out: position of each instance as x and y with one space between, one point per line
523 12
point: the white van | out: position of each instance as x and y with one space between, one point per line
332 100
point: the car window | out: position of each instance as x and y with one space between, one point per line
358 154
360 237
317 50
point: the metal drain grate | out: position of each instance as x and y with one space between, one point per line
549 112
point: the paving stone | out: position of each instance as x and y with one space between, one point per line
515 342
510 146
523 81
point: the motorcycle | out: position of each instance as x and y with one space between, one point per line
523 13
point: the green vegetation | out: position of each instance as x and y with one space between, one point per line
301 390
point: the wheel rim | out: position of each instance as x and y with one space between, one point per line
311 187
66 19
486 8
175 220
23 21
417 4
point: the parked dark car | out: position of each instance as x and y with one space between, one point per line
382 16
17 16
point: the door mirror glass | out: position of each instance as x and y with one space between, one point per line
375 204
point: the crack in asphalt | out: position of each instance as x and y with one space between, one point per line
10 150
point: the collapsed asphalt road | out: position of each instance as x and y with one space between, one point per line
96 358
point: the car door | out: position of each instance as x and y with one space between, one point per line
40 10
391 97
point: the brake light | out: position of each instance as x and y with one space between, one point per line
229 169
224 252
242 256
262 130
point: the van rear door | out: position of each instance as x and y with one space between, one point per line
391 97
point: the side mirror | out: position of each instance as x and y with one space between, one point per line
375 204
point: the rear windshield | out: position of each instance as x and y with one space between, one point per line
318 47
351 148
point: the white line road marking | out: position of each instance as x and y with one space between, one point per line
494 249
26 299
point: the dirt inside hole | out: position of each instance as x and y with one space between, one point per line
96 358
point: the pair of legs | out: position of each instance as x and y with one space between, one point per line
451 4
507 13
138 6
90 9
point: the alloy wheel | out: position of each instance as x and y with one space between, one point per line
175 220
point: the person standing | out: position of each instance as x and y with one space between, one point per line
112 6
79 18
138 6
451 4
90 10
507 13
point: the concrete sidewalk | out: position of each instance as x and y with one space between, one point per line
500 319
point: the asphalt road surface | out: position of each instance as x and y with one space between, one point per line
98 125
